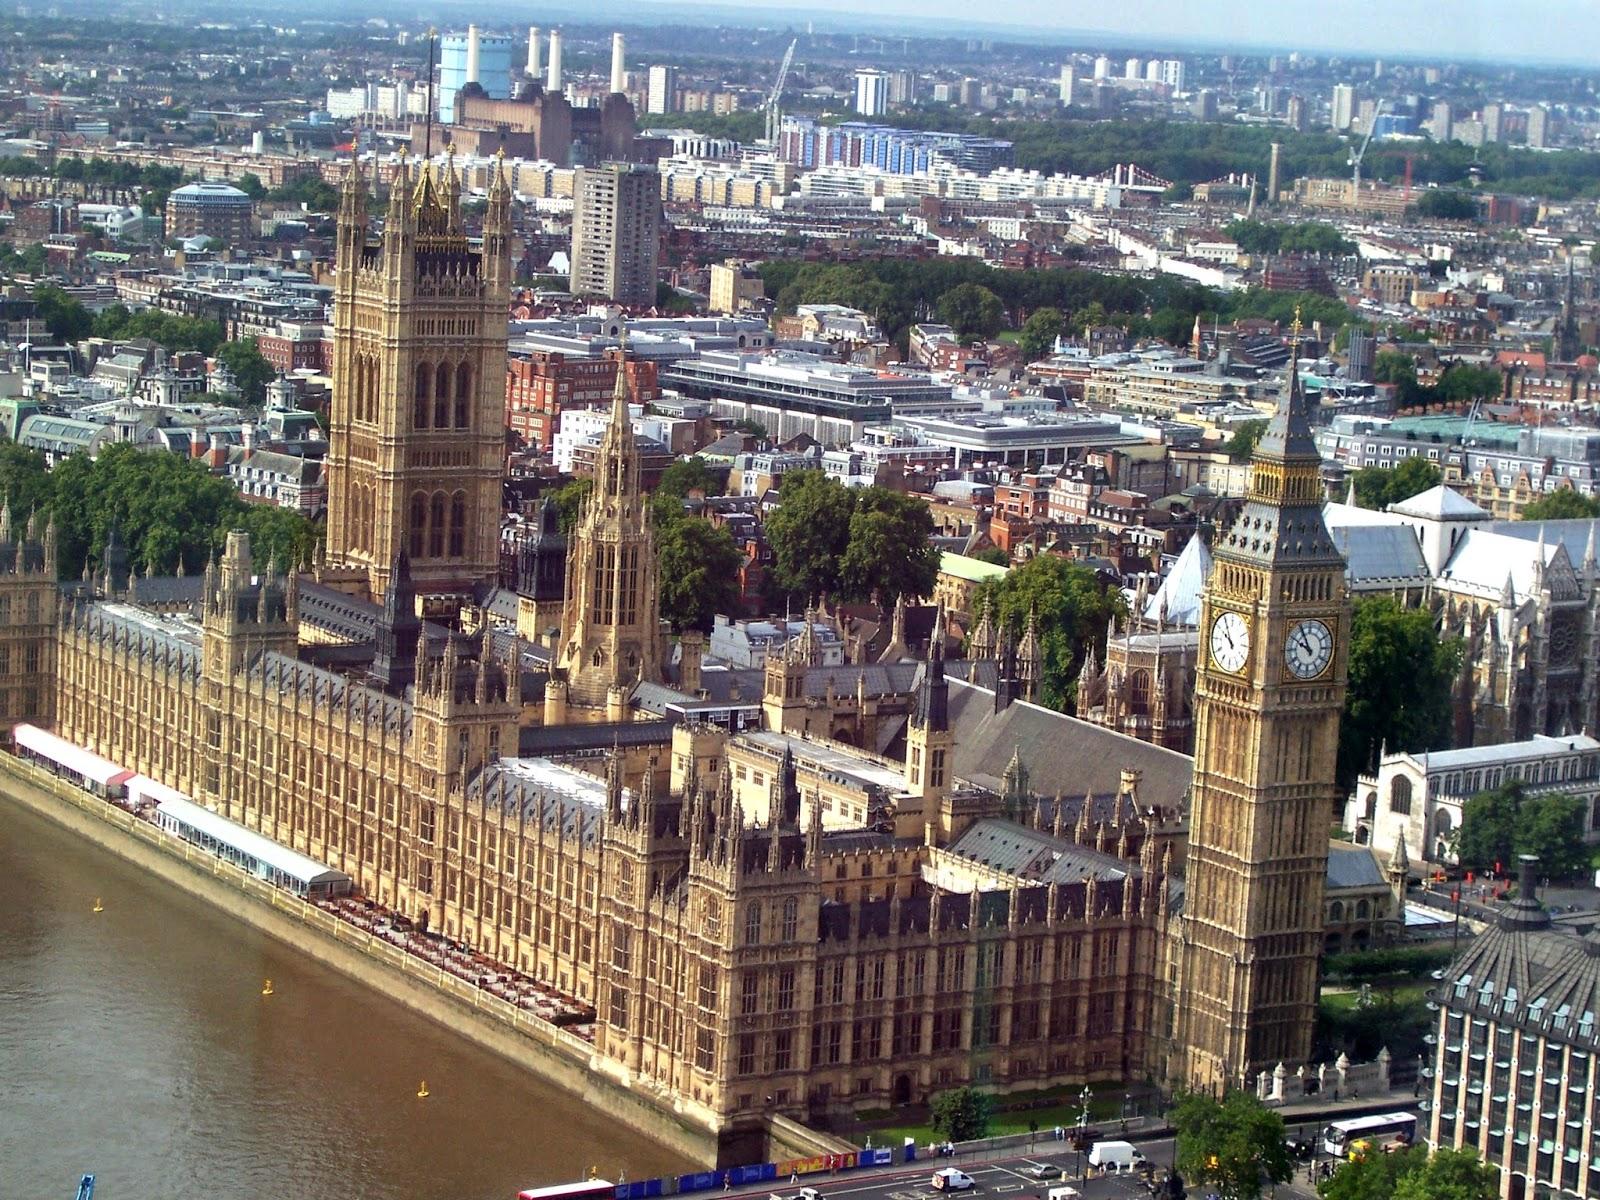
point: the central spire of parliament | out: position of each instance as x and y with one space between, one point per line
611 634
417 421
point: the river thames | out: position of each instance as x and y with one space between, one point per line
135 1044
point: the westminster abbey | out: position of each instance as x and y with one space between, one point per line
879 881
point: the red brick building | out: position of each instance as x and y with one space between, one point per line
295 348
539 386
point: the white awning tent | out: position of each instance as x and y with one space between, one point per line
177 814
72 757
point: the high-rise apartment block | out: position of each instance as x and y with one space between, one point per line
1069 81
1493 120
1538 127
872 93
661 90
1344 106
903 86
616 232
1174 73
1441 126
1102 67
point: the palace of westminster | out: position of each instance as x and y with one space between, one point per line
891 878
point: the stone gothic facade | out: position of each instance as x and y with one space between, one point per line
965 888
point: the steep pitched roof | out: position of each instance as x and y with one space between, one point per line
1061 753
1439 503
1183 587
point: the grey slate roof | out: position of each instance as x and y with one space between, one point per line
1031 854
1379 553
1353 867
1061 753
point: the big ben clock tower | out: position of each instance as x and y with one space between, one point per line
1275 626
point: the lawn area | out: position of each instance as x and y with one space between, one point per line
1105 1105
1406 993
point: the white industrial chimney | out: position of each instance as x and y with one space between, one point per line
472 54
552 75
619 70
535 53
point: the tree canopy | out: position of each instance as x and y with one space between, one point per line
699 565
1073 605
251 372
1500 824
1039 333
1561 505
1263 237
1447 204
1242 444
1399 694
972 310
850 543
961 1114
1231 1145
901 292
1379 487
169 511
1413 1174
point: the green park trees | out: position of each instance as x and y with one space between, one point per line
1401 674
972 310
699 571
1499 825
171 512
850 543
1073 605
1379 487
1235 1147
1413 1174
1561 505
961 1114
1242 444
1039 333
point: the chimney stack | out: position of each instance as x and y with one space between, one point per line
472 54
1272 174
535 53
619 70
552 77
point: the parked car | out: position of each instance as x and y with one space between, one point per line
1042 1171
948 1179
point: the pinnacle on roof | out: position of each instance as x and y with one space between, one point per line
1288 434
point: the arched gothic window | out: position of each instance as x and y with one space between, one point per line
463 396
441 397
419 409
458 524
436 526
419 523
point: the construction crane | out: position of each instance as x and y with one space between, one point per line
1358 155
777 94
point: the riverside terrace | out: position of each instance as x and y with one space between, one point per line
790 392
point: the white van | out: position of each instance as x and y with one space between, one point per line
1116 1156
948 1179
1063 1193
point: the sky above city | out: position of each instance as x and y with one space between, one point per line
1494 30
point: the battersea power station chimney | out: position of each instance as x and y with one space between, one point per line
619 71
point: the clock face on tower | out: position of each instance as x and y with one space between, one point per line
1230 642
1308 649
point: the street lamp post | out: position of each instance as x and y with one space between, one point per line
1083 1124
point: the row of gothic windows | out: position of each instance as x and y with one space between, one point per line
359 519
364 388
438 525
438 404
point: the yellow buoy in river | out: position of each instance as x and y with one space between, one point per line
98 907
266 987
422 1090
